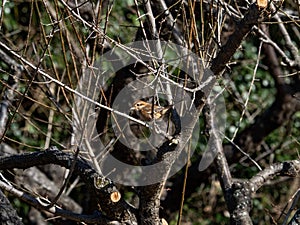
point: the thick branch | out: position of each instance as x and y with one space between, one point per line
42 204
242 29
296 218
288 168
239 196
239 202
8 214
118 210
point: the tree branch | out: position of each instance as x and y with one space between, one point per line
8 214
117 210
242 29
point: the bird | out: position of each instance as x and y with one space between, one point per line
148 112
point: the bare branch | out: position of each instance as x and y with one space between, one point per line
117 210
288 168
242 29
42 204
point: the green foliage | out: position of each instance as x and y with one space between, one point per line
122 21
11 24
22 209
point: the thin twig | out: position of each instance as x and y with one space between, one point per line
23 60
249 92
